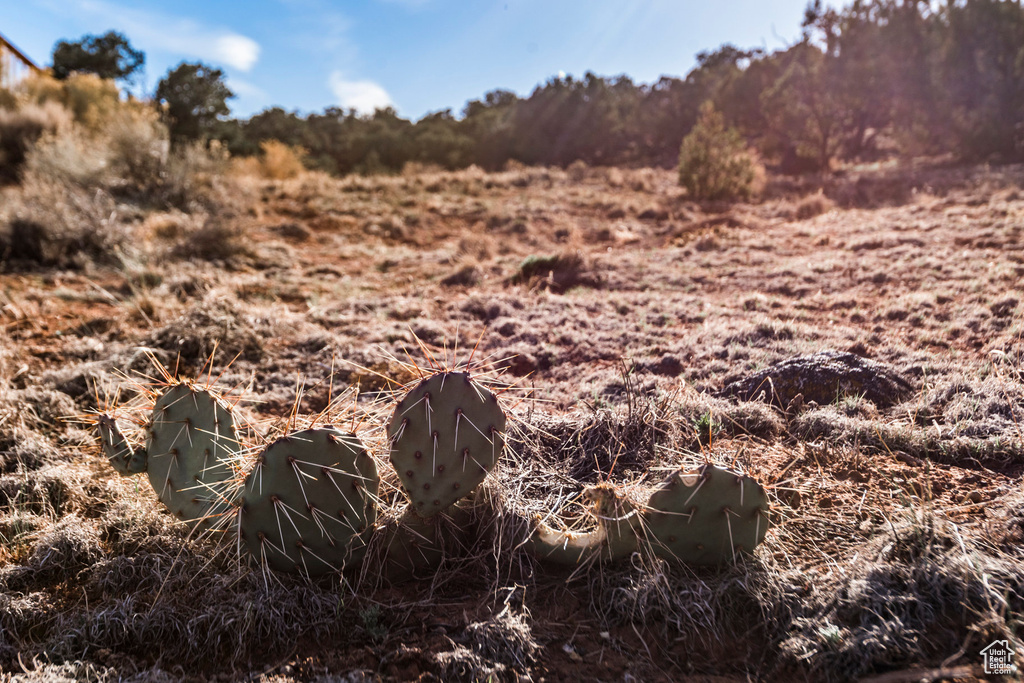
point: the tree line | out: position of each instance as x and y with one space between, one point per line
873 78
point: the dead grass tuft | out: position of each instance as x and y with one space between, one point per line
813 205
918 593
217 322
71 546
216 240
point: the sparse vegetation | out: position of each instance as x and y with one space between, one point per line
837 465
643 331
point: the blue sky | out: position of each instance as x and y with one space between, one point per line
419 56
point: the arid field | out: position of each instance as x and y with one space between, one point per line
856 344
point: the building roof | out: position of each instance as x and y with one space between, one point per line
9 46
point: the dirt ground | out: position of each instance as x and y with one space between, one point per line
623 313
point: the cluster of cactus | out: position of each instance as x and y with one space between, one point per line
309 504
704 517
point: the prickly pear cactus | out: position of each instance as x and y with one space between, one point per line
124 458
706 517
615 536
308 502
191 439
446 435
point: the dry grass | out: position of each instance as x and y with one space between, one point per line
897 534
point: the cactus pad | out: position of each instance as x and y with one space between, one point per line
706 517
122 455
446 435
308 501
191 437
614 537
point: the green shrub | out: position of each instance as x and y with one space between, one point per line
714 162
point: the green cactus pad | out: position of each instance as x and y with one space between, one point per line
706 517
446 435
123 456
614 537
308 502
191 438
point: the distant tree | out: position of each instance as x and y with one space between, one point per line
108 56
806 109
195 97
981 69
488 124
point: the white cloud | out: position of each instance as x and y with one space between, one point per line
244 88
157 30
237 51
363 96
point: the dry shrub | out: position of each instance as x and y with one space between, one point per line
127 154
138 146
813 205
245 167
614 177
52 224
412 169
216 322
578 171
215 240
21 128
191 180
643 180
90 99
279 161
70 157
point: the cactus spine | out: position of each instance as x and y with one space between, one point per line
124 458
309 504
705 517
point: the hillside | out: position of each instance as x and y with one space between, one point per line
633 323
